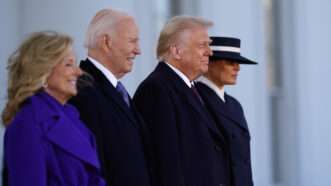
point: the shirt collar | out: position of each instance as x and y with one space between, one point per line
109 75
219 91
181 75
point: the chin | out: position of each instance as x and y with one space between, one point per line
128 69
204 70
73 93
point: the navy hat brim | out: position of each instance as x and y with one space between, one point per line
229 56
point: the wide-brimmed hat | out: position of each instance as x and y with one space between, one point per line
227 48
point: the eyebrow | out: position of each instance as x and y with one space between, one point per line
134 38
205 42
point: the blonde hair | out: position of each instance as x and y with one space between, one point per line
173 29
103 22
29 67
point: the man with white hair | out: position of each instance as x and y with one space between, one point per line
189 148
104 104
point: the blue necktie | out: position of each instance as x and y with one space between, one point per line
120 88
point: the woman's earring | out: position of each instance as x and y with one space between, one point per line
45 85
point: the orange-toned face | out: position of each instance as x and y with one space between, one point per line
224 72
194 53
61 83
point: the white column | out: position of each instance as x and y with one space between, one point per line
313 54
289 115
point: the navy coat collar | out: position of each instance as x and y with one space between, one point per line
188 95
63 128
228 109
231 106
109 90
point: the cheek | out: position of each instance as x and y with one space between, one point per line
61 78
201 53
117 52
55 84
53 80
224 74
127 48
221 77
131 46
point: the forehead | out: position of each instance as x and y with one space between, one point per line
196 35
67 55
68 52
127 27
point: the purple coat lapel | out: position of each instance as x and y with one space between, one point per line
61 125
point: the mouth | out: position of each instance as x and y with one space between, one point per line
73 82
206 62
130 59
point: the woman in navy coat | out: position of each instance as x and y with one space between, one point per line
45 142
227 112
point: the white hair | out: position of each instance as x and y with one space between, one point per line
104 22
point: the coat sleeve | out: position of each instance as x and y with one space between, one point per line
25 153
157 109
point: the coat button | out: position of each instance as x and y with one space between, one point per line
218 148
151 170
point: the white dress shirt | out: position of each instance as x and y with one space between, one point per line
109 75
210 84
181 75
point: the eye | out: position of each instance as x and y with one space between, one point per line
229 62
134 40
69 63
204 45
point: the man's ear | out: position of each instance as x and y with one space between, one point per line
175 52
106 43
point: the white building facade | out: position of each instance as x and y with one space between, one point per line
285 97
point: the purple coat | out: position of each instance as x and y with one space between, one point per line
47 145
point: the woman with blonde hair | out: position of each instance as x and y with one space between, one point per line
45 142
